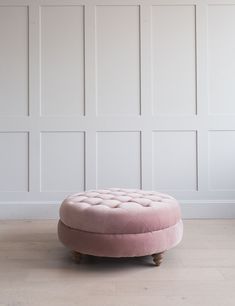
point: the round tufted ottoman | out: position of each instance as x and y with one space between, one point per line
120 223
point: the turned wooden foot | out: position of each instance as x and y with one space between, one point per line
157 258
76 256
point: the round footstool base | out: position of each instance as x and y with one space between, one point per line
120 245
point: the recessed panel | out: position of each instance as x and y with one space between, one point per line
173 54
221 159
14 61
118 160
118 60
62 61
62 161
13 161
175 160
221 45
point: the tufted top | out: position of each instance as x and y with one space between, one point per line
119 211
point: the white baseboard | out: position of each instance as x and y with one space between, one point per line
208 209
29 210
50 210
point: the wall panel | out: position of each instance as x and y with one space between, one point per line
174 59
62 161
118 159
175 160
14 61
62 60
221 43
14 161
118 60
221 160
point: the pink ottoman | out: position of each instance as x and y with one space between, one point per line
120 223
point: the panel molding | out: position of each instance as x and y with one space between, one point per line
74 79
15 61
122 155
50 154
164 153
174 59
203 202
221 65
125 77
221 165
14 161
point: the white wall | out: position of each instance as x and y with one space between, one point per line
99 93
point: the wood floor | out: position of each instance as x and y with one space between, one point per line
35 269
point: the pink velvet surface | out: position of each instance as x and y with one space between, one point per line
120 245
120 211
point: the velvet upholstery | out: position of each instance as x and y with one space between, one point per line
120 222
117 211
120 245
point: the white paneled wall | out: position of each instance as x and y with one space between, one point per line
62 60
62 161
177 152
118 68
99 93
14 162
174 61
14 61
221 41
118 159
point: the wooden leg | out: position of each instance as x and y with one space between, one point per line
76 256
157 258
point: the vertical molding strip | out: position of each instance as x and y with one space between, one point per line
34 98
202 98
90 97
146 96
